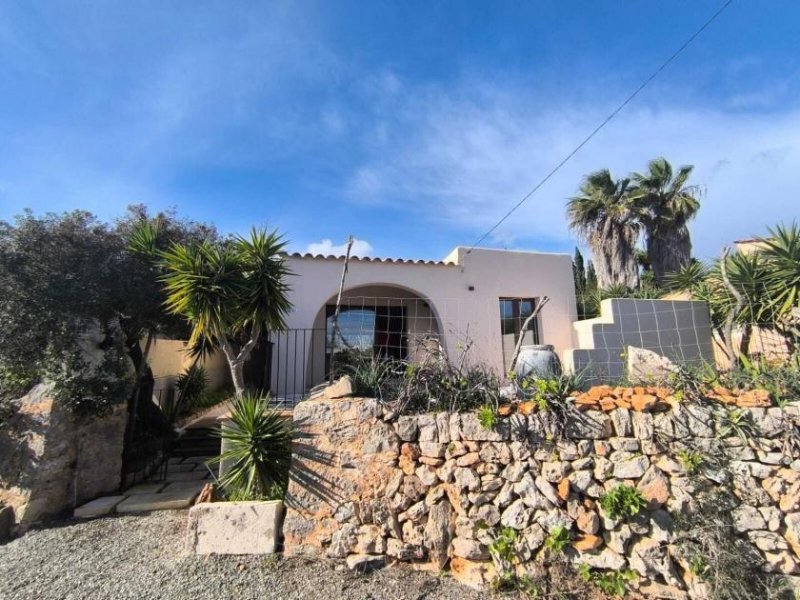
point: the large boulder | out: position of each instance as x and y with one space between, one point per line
50 462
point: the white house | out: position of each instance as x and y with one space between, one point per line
475 300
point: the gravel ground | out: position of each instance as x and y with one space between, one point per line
144 557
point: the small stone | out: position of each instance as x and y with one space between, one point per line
585 543
606 560
617 539
369 540
747 518
563 489
654 486
547 491
432 449
427 475
587 521
428 430
470 549
402 551
467 479
768 541
364 563
632 468
468 459
406 428
513 472
489 514
621 419
516 516
554 471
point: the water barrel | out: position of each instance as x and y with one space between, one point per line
538 361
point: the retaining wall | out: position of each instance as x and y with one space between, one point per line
430 489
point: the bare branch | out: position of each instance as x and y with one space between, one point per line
539 306
723 266
335 324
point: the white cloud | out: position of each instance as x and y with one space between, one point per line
326 247
465 157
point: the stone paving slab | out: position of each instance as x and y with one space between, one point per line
98 507
182 467
188 476
146 488
166 500
195 486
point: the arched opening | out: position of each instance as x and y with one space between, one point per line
387 321
382 320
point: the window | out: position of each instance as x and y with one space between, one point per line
513 313
379 330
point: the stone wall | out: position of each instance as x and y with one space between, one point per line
369 487
50 463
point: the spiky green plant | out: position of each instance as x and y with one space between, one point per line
622 501
259 450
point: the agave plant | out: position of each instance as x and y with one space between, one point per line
259 450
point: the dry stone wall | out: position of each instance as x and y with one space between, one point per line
369 487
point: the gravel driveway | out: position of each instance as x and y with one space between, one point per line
143 557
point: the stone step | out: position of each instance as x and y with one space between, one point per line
197 475
98 507
167 500
146 488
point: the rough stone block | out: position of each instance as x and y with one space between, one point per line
235 527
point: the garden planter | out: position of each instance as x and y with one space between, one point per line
538 361
235 527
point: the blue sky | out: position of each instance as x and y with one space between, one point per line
412 125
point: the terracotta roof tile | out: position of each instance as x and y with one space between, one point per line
400 261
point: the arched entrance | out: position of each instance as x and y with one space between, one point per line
382 320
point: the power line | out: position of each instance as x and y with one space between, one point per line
594 132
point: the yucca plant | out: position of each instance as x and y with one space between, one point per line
259 450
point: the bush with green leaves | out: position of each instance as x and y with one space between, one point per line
63 275
259 450
734 421
690 460
549 393
558 539
189 388
614 583
487 417
768 281
622 502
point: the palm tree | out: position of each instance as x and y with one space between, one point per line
665 205
229 292
602 216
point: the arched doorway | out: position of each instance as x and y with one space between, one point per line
382 320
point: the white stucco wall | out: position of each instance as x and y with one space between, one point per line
462 313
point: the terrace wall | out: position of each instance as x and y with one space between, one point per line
369 487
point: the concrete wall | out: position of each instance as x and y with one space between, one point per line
169 358
461 313
677 329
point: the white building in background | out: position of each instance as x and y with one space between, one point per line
474 301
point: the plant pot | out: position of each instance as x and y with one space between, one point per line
537 361
235 527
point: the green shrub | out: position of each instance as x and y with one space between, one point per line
622 501
690 460
487 417
558 539
259 454
551 392
613 583
735 421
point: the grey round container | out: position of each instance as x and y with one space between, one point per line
537 361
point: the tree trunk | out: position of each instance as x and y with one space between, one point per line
669 250
614 250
